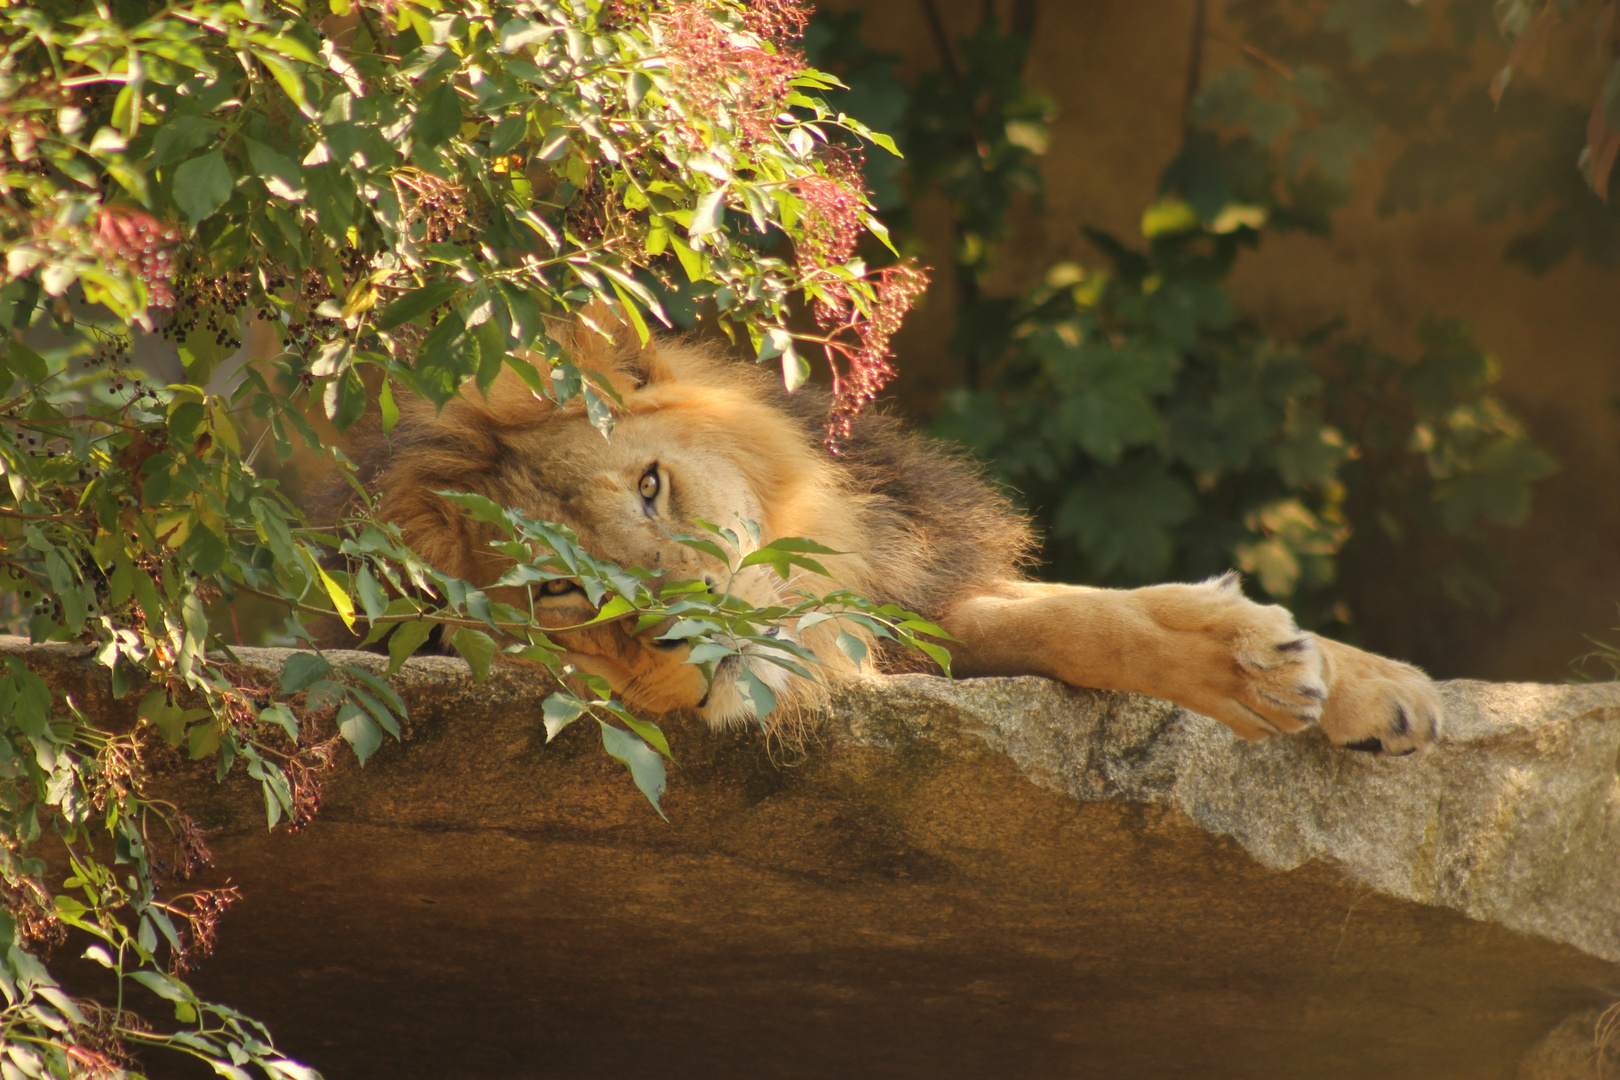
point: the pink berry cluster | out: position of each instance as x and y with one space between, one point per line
856 333
732 77
137 241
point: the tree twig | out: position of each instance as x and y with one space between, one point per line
1195 66
942 42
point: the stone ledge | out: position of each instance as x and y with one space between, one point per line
1000 877
1514 818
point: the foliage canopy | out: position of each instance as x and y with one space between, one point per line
1153 431
398 196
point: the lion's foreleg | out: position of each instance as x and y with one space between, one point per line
1204 646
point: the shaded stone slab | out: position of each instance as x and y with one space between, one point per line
1001 877
1514 818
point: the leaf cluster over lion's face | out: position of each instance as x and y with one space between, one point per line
694 439
702 444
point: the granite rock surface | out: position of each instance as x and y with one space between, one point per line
1000 877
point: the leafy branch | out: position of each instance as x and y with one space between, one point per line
371 197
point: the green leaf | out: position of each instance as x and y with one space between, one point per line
1123 523
204 739
163 986
283 176
179 135
646 767
345 400
491 344
201 352
853 647
65 584
760 698
278 714
650 732
784 554
615 608
477 648
800 543
438 116
372 597
289 78
448 356
418 302
204 550
29 364
302 670
202 185
691 261
708 547
880 139
386 406
782 562
340 598
405 640
707 213
508 133
938 653
643 335
378 710
560 710
381 688
169 719
360 730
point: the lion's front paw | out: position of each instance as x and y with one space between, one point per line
1245 664
1249 666
1377 705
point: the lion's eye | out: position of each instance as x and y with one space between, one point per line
649 484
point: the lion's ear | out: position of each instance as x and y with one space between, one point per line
603 340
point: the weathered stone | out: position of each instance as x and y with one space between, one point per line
994 877
1514 818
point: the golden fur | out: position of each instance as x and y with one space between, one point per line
920 527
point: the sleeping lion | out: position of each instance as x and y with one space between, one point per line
701 437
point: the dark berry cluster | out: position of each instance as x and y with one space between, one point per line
210 300
113 351
439 204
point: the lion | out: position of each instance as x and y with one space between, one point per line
699 436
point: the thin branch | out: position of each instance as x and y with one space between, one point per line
1022 22
942 42
1195 65
448 620
1257 55
86 515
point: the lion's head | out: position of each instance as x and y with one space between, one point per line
696 437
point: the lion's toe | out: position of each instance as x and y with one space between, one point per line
1379 706
1283 674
